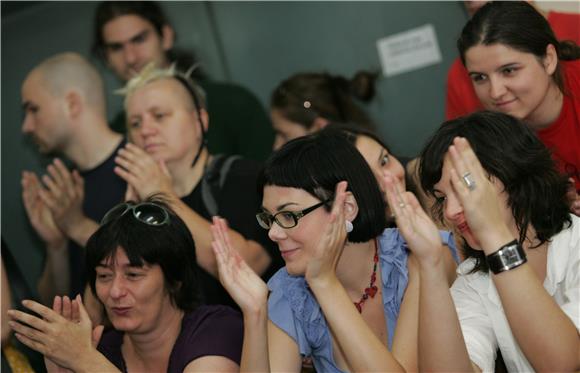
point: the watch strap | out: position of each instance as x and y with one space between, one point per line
507 257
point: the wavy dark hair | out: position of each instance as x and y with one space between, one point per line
305 96
520 26
171 246
315 164
512 153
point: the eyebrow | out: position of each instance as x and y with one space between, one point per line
26 105
282 206
132 39
511 64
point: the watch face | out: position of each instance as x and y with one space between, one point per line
510 254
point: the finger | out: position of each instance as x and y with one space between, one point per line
57 304
76 313
83 314
24 318
458 185
79 184
394 198
55 175
47 313
130 178
66 308
52 187
97 334
48 199
469 156
64 174
35 345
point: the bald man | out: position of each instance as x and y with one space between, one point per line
64 113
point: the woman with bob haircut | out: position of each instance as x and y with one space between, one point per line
347 297
141 267
529 75
519 288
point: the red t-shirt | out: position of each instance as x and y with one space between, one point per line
563 136
461 98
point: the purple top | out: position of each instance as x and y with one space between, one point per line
208 330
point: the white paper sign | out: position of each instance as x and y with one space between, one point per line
409 50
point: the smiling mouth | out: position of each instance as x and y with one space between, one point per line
288 253
504 103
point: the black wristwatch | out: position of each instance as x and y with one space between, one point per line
509 256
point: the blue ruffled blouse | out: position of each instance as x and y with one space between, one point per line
293 308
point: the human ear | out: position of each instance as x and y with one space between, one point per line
550 59
204 119
350 207
167 37
74 103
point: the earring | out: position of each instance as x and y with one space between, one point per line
349 226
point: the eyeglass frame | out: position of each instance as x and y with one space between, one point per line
131 206
296 215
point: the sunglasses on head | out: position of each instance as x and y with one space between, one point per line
146 212
285 219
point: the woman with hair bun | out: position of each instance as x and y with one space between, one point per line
518 67
307 102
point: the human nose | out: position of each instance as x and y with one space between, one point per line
276 232
118 288
147 127
130 55
27 125
497 89
453 208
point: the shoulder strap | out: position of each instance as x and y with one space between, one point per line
214 179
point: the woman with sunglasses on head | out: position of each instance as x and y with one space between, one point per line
519 289
167 124
529 75
347 297
141 268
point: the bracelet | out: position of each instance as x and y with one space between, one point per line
509 256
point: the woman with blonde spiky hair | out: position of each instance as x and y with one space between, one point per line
167 123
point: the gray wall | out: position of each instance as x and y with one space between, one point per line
263 43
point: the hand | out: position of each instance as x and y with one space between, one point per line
142 172
481 204
573 197
64 196
242 283
322 265
39 213
415 225
61 340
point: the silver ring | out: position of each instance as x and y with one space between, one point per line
468 180
402 204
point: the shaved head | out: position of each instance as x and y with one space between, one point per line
66 72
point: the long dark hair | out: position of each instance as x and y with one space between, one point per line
510 152
305 96
520 26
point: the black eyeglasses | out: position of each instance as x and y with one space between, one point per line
285 219
147 212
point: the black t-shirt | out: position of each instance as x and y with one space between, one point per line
103 190
206 331
238 202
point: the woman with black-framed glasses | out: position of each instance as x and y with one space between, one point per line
347 297
142 269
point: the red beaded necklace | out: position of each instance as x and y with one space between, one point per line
371 290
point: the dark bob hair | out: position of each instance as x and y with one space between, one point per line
315 164
517 25
170 246
512 153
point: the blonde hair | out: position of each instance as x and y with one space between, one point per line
151 73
